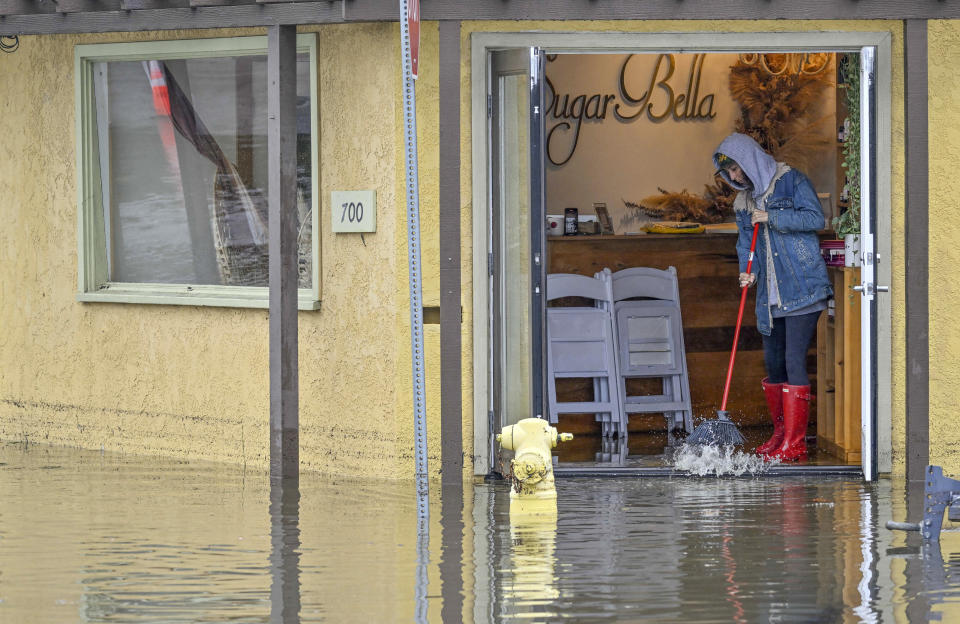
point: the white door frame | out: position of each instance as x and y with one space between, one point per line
622 42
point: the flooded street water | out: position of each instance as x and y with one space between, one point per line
91 537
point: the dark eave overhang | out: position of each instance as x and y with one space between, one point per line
24 17
119 16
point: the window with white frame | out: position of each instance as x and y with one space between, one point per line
173 172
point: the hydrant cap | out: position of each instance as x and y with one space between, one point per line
506 437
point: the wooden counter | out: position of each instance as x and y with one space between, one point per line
707 270
838 370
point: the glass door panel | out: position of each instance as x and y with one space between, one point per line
516 234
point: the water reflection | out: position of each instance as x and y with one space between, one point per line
689 550
926 576
422 582
285 551
451 553
86 537
530 574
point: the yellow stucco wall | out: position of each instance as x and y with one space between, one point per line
187 381
192 381
943 40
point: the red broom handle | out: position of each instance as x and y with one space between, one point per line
736 333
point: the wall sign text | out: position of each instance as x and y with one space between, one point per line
665 97
354 211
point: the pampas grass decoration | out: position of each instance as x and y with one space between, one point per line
682 206
721 195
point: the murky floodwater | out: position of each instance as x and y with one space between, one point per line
90 537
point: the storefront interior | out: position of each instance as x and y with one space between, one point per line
627 143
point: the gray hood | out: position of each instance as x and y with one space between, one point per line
759 166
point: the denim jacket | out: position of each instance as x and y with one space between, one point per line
790 235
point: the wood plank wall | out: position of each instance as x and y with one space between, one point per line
707 270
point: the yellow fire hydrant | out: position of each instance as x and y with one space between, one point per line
531 440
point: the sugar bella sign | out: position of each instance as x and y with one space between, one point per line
669 95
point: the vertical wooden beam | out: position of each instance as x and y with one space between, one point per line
917 273
451 380
282 179
451 375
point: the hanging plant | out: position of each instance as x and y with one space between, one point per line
849 221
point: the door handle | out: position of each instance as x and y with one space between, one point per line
870 288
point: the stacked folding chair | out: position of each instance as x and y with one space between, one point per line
649 337
580 344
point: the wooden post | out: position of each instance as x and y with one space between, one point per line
916 244
451 373
282 177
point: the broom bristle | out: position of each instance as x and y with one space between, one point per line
719 432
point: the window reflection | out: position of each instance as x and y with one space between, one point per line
182 146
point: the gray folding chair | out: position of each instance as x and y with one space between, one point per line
649 330
612 451
580 344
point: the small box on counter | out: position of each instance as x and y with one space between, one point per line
832 252
557 225
589 226
554 225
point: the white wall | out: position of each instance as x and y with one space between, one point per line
617 159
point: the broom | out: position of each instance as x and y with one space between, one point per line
723 431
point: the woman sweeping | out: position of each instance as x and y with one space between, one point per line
790 275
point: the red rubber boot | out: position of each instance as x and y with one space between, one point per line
774 394
796 415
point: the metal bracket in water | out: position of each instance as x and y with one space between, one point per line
939 493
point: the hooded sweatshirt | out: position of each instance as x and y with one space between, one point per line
759 166
763 170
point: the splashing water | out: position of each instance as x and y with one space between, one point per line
719 460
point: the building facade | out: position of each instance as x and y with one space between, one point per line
185 372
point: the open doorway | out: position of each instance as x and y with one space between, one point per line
628 143
627 137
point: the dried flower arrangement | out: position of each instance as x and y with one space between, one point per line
682 206
779 110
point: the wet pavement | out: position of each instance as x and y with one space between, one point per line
91 537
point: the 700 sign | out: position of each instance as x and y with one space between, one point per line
354 211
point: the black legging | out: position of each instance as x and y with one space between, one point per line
785 349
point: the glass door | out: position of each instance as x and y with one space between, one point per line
514 105
868 287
